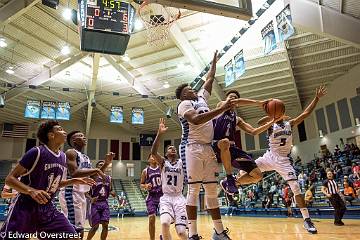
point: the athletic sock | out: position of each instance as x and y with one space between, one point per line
192 228
218 225
304 213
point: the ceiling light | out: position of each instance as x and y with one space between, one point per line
65 50
10 70
166 85
125 58
138 24
321 135
2 43
67 14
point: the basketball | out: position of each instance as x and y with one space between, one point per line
275 108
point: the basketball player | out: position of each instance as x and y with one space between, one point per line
100 210
276 158
72 198
172 203
201 165
224 143
42 170
150 180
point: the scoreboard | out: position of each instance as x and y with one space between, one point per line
105 25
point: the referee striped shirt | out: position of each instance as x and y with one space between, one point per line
331 186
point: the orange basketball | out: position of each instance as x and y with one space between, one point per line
275 108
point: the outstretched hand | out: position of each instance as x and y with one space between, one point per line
321 91
213 65
162 127
263 103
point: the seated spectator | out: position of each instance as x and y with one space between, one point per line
322 173
356 170
309 196
357 187
267 202
355 149
338 171
232 204
348 192
350 180
337 150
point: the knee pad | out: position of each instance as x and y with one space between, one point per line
211 199
295 187
180 230
193 194
165 219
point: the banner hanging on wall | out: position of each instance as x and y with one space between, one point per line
284 24
268 36
229 73
239 68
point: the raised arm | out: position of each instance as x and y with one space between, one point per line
108 160
250 129
199 118
246 101
320 92
211 75
155 147
73 169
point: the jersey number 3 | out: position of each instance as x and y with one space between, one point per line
172 180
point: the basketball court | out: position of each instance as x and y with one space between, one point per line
243 228
110 68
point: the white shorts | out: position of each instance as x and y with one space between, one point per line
201 163
273 162
73 205
175 206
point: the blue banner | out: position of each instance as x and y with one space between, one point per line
137 116
63 111
116 114
229 73
268 36
284 24
48 110
239 68
32 109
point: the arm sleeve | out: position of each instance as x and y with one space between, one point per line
184 107
204 94
28 160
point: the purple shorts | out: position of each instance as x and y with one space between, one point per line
152 203
27 216
100 212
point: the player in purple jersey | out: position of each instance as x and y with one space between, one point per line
72 198
42 170
224 143
100 210
151 181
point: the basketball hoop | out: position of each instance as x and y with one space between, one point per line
157 20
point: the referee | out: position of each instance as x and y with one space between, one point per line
331 191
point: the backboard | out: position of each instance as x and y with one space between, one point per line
240 9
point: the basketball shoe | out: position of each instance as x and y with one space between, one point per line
309 226
221 236
195 237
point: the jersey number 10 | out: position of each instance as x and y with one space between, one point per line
172 180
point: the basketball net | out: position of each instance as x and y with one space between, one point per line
158 20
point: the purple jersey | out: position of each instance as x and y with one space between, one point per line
101 189
153 176
45 168
225 126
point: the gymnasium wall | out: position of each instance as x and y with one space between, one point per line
342 87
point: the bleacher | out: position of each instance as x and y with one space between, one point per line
134 195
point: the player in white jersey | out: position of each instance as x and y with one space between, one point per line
201 164
172 203
72 198
277 157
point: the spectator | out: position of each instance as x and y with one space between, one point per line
356 170
357 187
337 150
349 193
298 161
322 173
309 197
301 180
338 171
355 149
331 191
350 180
342 146
288 194
267 202
232 203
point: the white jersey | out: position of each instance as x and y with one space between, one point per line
83 162
280 139
172 177
202 133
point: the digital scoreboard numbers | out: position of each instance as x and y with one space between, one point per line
107 15
105 25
